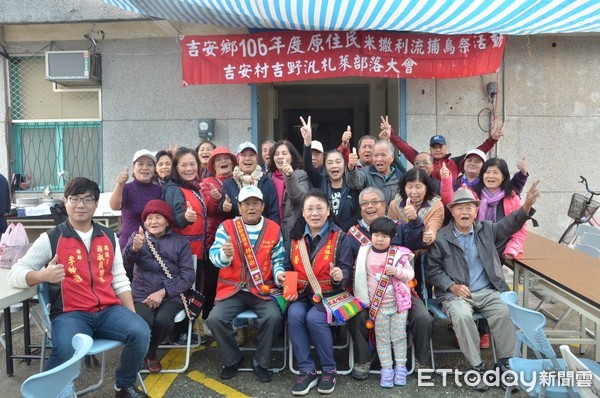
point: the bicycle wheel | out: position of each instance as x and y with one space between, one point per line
570 233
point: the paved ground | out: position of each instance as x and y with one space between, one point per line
202 380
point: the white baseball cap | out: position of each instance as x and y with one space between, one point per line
249 192
144 152
317 146
246 145
477 152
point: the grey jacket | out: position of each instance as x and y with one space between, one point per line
369 177
446 260
297 187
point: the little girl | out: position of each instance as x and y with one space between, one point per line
386 268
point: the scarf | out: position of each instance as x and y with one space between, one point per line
243 180
279 183
489 203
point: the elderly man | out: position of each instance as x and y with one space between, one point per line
410 235
249 252
365 148
89 291
248 173
466 273
382 174
265 153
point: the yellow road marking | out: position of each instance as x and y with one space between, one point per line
158 384
213 384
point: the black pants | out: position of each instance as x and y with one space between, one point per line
160 320
210 277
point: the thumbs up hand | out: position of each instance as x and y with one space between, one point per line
335 273
287 168
227 248
190 214
444 171
123 176
214 192
409 210
138 241
55 272
352 159
346 137
227 206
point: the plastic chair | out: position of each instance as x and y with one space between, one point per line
590 250
530 331
588 387
58 382
99 346
180 316
436 310
583 229
249 314
591 239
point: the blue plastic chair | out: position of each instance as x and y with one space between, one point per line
436 310
530 331
574 364
99 346
58 382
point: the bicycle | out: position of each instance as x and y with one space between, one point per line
581 210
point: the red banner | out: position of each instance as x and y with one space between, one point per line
280 56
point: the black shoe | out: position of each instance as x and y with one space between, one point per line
130 392
304 383
502 365
229 372
262 374
482 385
327 382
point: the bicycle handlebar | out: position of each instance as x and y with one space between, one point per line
584 181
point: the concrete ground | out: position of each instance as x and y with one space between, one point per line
202 377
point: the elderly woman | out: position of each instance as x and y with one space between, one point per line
220 165
322 256
342 199
156 295
131 197
164 163
204 151
291 185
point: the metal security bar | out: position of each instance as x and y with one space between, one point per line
51 153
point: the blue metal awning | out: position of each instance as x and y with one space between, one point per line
511 17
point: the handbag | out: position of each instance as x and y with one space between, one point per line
13 245
192 299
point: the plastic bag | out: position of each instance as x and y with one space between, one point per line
13 245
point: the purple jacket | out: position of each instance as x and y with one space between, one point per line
148 275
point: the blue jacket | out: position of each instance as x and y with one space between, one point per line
349 209
148 275
265 184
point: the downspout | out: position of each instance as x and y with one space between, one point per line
254 111
402 112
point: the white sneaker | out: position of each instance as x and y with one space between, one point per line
207 332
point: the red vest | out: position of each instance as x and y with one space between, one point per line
195 232
237 275
320 265
88 282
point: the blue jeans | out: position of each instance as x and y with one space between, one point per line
308 326
113 323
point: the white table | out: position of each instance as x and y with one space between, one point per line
10 296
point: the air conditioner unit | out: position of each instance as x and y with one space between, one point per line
73 68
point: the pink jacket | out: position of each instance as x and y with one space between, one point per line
514 246
401 288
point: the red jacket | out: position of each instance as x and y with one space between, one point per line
214 216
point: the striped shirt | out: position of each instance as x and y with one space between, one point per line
220 260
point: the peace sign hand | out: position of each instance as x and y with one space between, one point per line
306 131
386 128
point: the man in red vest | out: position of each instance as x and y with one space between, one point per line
249 252
89 291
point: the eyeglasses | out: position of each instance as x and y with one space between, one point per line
423 163
88 200
373 203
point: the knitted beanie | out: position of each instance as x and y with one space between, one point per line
158 206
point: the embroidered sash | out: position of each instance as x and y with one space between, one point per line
384 282
359 236
250 257
341 306
252 264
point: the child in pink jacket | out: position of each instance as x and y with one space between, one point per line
381 281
